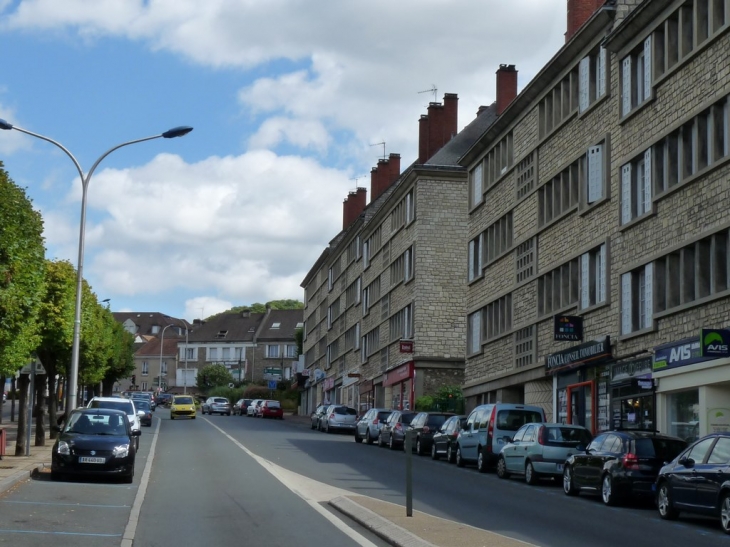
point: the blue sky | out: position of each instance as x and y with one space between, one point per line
286 98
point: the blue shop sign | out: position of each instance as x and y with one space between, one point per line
679 354
715 343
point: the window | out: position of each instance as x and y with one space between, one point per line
558 104
592 78
474 334
497 317
476 261
155 329
352 251
221 334
333 352
525 345
593 277
526 175
371 246
352 293
558 289
333 312
330 279
476 185
408 264
144 386
163 368
410 207
595 174
721 453
402 267
636 78
272 351
525 258
212 354
498 238
190 353
352 337
403 213
385 307
560 194
370 343
226 354
637 307
636 187
291 351
401 324
275 325
498 161
145 368
370 295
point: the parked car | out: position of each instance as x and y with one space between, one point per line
216 405
144 396
95 441
393 432
144 406
444 440
618 464
317 415
482 438
540 450
698 481
241 406
163 399
125 405
368 427
251 410
338 418
272 409
423 426
182 406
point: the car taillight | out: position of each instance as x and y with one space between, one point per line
398 426
332 416
630 461
375 421
490 429
541 435
425 429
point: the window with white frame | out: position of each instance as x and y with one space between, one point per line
370 343
636 187
370 295
637 307
191 353
561 193
593 277
366 254
291 351
401 324
592 78
212 354
145 368
596 174
476 185
636 77
408 263
272 351
474 334
144 387
476 257
352 293
226 354
163 368
410 207
402 267
558 288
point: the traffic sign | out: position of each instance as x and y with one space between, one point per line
272 384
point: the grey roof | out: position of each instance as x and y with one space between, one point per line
146 320
287 323
452 151
248 327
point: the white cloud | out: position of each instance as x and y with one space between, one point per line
205 306
304 134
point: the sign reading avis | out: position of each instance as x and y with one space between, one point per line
715 343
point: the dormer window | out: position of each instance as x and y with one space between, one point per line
221 334
251 329
155 329
275 325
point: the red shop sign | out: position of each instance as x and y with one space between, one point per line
406 346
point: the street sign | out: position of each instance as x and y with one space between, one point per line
38 368
272 370
272 384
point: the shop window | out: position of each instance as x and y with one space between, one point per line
684 414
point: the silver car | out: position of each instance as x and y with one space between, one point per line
540 450
368 427
338 418
217 405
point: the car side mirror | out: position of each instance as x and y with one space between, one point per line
140 413
686 462
507 439
136 433
581 448
56 428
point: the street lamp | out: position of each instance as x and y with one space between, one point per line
71 395
162 342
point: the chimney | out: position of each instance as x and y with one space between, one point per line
422 138
394 169
438 127
451 116
385 174
481 109
579 11
435 128
506 87
353 206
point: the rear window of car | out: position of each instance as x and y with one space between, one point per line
567 436
124 406
183 400
345 410
382 416
407 418
436 420
273 404
662 449
513 419
220 400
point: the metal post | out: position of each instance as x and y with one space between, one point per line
185 376
162 343
409 472
31 400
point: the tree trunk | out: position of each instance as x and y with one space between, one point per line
40 410
22 391
13 390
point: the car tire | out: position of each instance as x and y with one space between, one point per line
358 438
608 491
664 503
391 443
312 426
380 440
193 416
228 414
128 479
459 458
725 512
568 484
55 476
368 438
419 447
531 476
450 455
434 454
481 460
502 472
172 417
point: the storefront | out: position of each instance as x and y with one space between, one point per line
400 387
366 393
329 394
633 398
581 380
693 385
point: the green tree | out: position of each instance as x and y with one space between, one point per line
212 376
121 362
258 307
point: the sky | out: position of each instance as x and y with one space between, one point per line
290 101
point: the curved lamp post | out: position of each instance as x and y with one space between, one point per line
162 343
71 395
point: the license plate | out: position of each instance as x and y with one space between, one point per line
559 467
89 459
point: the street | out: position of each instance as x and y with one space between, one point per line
218 480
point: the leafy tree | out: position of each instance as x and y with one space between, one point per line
121 362
261 308
212 376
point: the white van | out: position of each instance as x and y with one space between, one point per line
483 437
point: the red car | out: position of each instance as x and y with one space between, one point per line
271 409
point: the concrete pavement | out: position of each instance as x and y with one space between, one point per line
387 520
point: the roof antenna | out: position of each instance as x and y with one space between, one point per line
356 179
378 144
433 90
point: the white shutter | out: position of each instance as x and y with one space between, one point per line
626 193
601 73
626 86
585 279
584 82
480 253
626 303
595 173
601 270
649 295
647 181
472 254
647 68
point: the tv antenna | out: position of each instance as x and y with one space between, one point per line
433 90
358 178
378 144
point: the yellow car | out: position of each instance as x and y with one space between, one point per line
182 405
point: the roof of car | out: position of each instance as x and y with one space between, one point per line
105 411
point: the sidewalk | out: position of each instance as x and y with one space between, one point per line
384 519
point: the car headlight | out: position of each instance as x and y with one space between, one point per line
63 448
121 451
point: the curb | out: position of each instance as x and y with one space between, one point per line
8 482
381 527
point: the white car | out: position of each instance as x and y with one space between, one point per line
125 405
251 410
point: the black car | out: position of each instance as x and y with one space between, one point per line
96 442
423 426
145 407
444 440
618 464
163 399
698 481
393 433
241 407
317 415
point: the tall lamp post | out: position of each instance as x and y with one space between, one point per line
162 343
71 395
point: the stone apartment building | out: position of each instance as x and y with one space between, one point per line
596 200
384 303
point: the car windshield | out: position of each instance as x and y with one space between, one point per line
406 418
345 410
512 420
124 406
96 424
183 400
662 449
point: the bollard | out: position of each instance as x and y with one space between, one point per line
408 444
2 442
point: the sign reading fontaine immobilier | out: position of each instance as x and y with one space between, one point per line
588 353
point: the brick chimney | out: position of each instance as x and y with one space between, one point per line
385 174
422 138
353 206
437 127
579 11
506 87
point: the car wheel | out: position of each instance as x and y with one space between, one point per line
459 459
391 444
608 492
531 477
380 440
725 512
502 472
55 476
664 503
368 438
128 479
173 417
228 414
481 461
419 448
193 416
568 484
358 438
450 456
434 454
